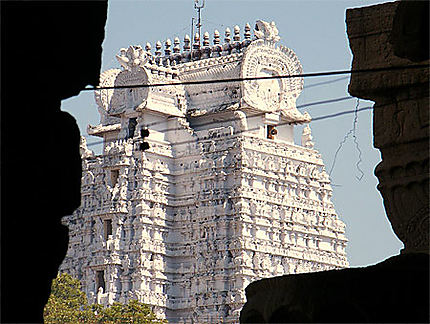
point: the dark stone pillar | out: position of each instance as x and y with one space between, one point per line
396 34
50 51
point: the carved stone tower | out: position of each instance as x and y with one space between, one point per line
221 198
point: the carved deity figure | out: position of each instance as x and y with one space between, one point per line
266 31
83 149
100 295
241 122
131 57
307 138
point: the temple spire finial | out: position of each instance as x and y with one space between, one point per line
176 45
227 37
196 43
167 45
236 31
187 41
148 47
217 48
158 48
206 39
247 31
216 37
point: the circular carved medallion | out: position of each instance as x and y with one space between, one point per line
129 97
104 97
263 59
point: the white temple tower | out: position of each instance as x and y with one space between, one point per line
222 197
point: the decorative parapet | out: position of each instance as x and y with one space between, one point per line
235 59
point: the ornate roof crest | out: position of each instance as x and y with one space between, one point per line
266 31
262 59
132 57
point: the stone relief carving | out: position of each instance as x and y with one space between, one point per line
401 120
266 31
132 57
262 60
130 97
103 97
84 151
307 138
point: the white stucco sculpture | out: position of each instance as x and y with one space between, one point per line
222 197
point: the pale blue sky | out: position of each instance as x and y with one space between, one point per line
316 31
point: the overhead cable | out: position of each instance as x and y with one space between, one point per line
285 123
248 117
303 75
257 128
324 102
325 82
256 115
351 132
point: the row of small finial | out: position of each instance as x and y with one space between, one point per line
204 50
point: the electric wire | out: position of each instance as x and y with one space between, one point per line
351 132
252 116
324 102
272 77
257 128
235 118
280 124
248 117
357 146
303 75
325 82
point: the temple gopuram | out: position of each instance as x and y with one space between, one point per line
222 197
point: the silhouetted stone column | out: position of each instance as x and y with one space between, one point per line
401 110
53 51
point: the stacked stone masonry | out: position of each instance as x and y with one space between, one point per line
219 199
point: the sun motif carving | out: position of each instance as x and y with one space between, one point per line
129 97
263 60
269 91
107 79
